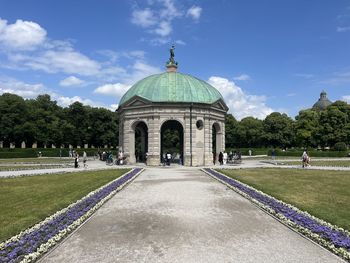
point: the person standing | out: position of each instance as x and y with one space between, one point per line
225 157
304 158
273 154
221 157
76 161
168 157
84 159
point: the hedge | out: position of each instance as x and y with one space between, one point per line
291 152
45 152
311 153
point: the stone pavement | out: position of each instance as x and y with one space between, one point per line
183 215
98 165
92 165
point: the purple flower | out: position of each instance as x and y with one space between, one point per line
30 242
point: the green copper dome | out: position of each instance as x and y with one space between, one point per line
173 87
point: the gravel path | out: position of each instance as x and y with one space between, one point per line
182 215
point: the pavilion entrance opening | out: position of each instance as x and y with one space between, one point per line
172 141
216 141
141 142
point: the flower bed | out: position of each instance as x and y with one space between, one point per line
32 243
329 236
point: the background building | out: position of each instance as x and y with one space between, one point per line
323 102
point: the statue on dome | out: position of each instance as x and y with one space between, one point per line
172 54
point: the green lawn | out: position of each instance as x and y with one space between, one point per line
322 163
36 160
324 194
25 201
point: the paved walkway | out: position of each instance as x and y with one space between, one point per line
92 165
183 215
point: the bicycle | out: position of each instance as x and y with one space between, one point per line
109 160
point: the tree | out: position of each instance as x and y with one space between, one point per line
278 130
13 114
306 128
251 132
231 125
334 126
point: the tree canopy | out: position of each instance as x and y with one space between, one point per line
310 128
41 120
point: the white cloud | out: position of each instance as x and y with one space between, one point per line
346 98
31 91
117 89
343 29
71 81
53 61
66 101
242 77
144 18
164 29
169 10
139 71
25 90
241 105
23 35
194 12
180 42
114 107
157 18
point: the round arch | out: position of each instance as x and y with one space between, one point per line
216 140
138 146
172 141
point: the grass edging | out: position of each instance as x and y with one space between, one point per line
54 228
341 248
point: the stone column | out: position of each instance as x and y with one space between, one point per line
208 143
154 141
223 135
187 140
129 142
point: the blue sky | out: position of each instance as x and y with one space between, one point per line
263 56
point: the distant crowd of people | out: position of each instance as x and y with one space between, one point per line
224 157
74 154
168 158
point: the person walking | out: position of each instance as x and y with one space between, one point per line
305 159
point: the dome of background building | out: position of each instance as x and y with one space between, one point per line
173 87
323 102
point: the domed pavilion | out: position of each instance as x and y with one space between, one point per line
323 102
172 113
